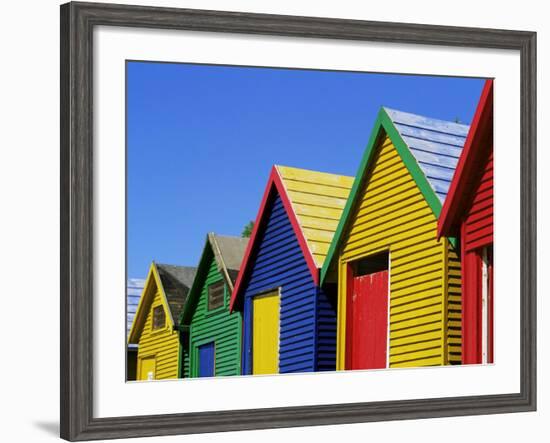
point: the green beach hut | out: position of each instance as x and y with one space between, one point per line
210 336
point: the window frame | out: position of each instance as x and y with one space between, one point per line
209 308
153 309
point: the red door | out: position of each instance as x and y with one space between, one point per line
368 325
477 320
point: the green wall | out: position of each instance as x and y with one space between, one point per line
217 325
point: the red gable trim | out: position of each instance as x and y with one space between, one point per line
472 155
274 183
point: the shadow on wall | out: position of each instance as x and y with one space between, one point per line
49 427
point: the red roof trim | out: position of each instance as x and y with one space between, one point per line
297 228
461 187
274 183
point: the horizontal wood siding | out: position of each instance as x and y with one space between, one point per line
476 232
478 229
278 262
454 306
326 329
218 326
392 215
163 344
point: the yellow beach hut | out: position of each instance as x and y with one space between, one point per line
399 300
155 328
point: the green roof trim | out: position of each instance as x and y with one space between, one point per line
382 124
193 296
196 288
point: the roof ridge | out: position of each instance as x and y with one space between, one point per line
312 170
176 266
386 108
218 255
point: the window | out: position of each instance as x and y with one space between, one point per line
215 295
159 317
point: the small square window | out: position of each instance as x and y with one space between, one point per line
215 295
159 317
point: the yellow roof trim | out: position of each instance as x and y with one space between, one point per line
318 200
152 282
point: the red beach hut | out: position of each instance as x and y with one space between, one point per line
468 214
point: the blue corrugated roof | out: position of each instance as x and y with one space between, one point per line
134 289
435 144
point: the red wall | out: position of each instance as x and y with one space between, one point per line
478 223
476 232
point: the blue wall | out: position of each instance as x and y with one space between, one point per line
307 320
326 328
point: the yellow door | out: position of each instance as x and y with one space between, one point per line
147 368
265 337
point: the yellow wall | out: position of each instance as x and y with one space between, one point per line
454 307
392 215
162 343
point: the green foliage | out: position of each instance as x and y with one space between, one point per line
247 230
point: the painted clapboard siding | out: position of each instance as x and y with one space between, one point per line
476 233
392 215
165 286
468 212
297 219
278 262
218 325
326 328
478 222
163 344
454 306
318 199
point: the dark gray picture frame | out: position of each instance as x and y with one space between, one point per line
77 23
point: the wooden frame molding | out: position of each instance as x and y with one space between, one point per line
76 308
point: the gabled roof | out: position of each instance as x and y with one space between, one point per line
428 147
477 147
228 253
176 282
314 202
435 144
173 282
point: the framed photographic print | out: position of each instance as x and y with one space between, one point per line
292 221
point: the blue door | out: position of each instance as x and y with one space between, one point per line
206 360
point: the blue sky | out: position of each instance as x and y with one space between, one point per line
202 140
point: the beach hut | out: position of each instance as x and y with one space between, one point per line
468 214
289 322
154 329
210 337
398 285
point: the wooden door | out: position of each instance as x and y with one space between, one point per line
487 305
491 357
147 367
207 359
265 335
368 333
